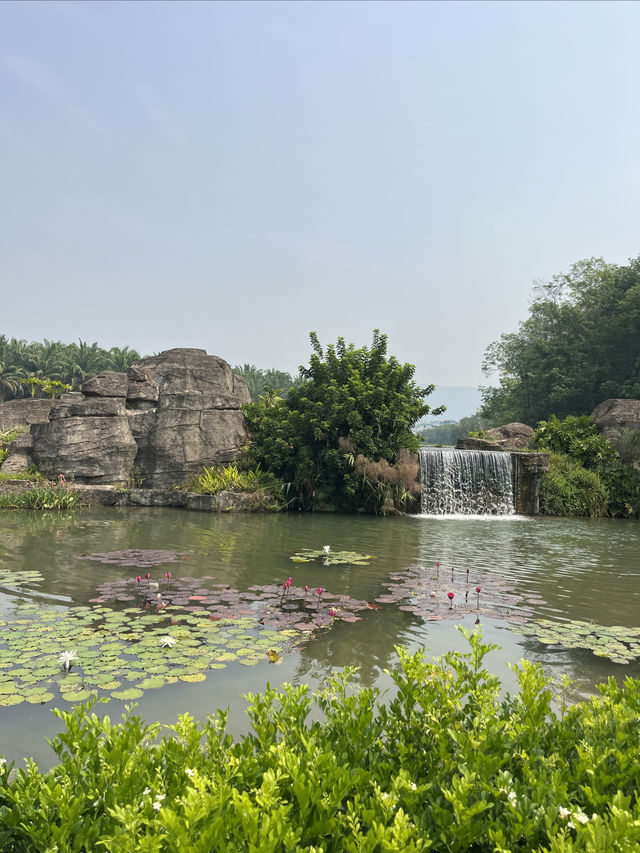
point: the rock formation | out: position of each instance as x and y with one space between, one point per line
158 423
514 436
615 415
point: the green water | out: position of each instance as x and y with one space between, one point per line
583 569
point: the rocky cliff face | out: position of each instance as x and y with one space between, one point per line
163 419
615 415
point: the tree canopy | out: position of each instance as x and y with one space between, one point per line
36 368
353 406
579 346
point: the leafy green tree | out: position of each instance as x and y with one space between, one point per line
579 346
351 402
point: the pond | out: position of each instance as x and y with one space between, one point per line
229 621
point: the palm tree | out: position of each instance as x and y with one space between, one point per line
254 377
10 378
83 361
120 358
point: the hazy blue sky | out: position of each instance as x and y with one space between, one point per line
234 175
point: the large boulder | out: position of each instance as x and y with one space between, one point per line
196 418
86 443
514 436
615 415
106 384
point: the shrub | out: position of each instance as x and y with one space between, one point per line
449 764
577 437
56 494
230 478
569 489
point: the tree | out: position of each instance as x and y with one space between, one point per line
352 404
261 381
579 346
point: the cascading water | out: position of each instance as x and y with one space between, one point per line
466 482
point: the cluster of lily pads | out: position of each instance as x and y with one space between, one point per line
332 558
279 606
174 630
615 642
446 593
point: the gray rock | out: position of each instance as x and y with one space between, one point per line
514 436
615 415
197 420
91 407
477 444
20 455
140 386
106 384
32 410
88 449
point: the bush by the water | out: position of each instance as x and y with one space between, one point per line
230 478
571 490
56 494
447 765
588 476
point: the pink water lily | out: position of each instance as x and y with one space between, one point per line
450 596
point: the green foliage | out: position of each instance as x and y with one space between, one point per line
571 490
50 367
45 495
577 437
352 402
261 381
579 346
580 441
230 478
448 765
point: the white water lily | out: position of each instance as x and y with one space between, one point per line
67 659
326 548
167 642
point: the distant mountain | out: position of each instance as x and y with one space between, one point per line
461 401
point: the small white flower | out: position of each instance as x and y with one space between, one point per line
413 786
160 797
513 799
156 805
167 642
191 773
571 825
67 659
146 791
563 812
581 817
326 548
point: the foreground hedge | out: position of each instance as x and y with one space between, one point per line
447 765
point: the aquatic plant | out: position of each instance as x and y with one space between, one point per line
331 558
618 643
419 591
179 635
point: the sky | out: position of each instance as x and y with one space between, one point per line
232 176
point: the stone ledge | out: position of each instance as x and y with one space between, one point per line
98 495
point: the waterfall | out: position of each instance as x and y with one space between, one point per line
466 482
